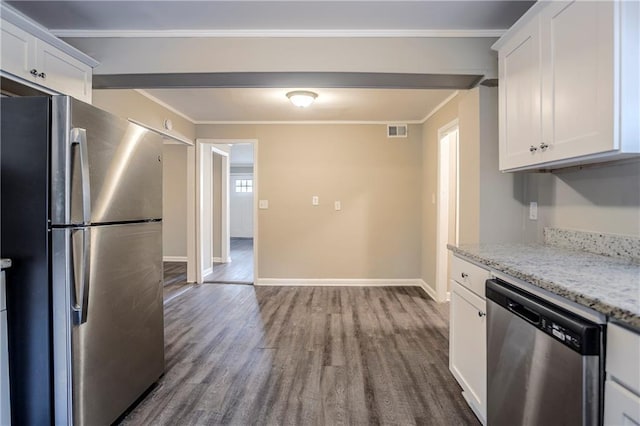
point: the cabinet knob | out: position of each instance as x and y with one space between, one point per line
482 314
544 146
532 149
42 75
464 275
34 72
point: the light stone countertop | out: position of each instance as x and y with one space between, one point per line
605 284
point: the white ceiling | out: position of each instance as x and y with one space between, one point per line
268 18
241 154
268 104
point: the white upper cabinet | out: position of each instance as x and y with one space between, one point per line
569 91
519 102
28 58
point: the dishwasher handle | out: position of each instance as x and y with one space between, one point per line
523 312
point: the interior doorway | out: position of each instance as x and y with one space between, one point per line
448 202
221 257
237 268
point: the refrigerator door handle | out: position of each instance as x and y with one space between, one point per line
79 138
81 296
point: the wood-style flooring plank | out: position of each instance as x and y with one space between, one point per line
246 355
240 269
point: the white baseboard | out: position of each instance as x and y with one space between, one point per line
339 282
174 258
220 260
427 289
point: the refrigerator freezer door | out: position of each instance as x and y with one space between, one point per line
113 357
104 169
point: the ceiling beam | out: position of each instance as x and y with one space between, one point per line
358 80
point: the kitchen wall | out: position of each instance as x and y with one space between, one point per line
491 203
430 142
377 180
131 104
599 198
174 207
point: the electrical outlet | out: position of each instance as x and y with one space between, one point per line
315 200
337 205
533 210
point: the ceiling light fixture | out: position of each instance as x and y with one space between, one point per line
302 98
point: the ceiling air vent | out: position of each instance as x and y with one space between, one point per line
396 130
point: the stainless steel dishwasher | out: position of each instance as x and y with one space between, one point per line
544 364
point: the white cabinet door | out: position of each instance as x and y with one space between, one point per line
63 73
17 47
468 346
520 98
35 61
569 88
577 79
621 407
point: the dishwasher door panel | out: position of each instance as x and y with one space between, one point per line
531 378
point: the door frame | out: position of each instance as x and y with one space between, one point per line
443 213
195 240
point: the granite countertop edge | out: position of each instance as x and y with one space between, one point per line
612 311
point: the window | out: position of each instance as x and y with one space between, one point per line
244 185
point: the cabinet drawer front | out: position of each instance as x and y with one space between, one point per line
621 407
623 353
469 275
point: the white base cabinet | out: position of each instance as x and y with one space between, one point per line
468 333
569 91
622 387
621 407
468 347
32 61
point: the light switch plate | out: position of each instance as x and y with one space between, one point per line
337 205
533 210
263 204
315 200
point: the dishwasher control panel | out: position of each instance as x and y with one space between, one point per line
561 333
576 333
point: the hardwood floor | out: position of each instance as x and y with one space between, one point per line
240 269
175 280
304 356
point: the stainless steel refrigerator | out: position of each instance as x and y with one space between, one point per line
81 219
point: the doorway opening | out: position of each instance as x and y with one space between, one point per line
448 202
237 267
226 211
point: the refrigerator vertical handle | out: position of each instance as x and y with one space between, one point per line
79 137
81 303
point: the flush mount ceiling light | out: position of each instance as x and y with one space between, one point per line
302 98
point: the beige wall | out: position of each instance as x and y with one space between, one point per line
131 104
491 203
174 207
377 180
217 204
598 199
430 142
